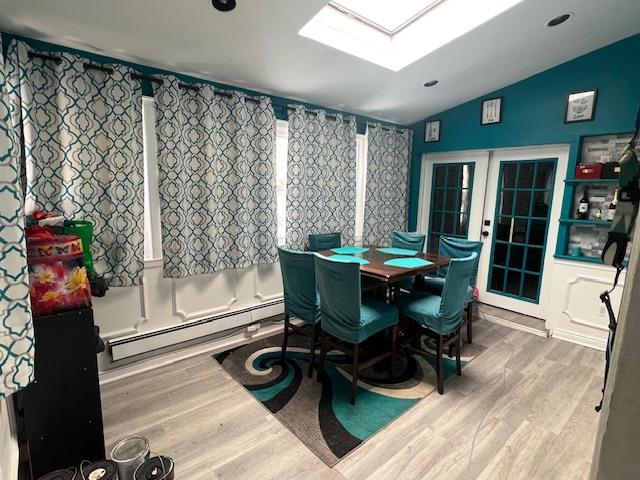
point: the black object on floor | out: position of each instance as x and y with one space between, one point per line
62 413
59 475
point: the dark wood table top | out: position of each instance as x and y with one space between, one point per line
378 270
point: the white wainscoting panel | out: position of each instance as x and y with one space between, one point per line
163 307
574 312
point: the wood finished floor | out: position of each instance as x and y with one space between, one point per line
540 423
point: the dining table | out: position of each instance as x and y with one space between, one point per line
377 262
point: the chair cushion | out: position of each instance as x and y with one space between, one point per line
423 308
374 317
434 285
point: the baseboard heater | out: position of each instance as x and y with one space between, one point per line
136 344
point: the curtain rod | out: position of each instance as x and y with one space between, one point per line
329 116
137 76
400 132
58 60
222 94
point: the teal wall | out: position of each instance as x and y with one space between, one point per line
279 103
533 110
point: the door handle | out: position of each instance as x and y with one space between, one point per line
485 234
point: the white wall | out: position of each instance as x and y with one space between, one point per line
574 311
616 452
8 442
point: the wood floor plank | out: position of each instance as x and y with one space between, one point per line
526 400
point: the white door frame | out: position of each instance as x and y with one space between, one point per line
483 207
481 160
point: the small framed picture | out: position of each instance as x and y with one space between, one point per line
432 131
581 106
491 111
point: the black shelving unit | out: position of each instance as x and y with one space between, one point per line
61 410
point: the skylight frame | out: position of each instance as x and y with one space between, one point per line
370 23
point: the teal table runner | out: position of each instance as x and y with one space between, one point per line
348 259
349 250
397 251
407 262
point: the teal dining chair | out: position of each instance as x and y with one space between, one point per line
440 316
324 241
456 248
301 298
408 240
350 319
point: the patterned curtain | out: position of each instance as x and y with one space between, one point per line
321 176
82 144
16 328
385 208
216 161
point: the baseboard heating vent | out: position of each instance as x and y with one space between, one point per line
136 344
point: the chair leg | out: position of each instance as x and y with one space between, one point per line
469 322
439 372
286 336
354 374
323 347
394 339
458 347
312 353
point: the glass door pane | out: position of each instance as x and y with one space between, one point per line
451 193
521 224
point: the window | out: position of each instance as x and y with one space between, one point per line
282 143
394 34
282 150
361 185
152 234
451 191
378 14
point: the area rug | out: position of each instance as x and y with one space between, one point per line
319 412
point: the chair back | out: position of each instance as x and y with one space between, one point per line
324 241
299 281
410 241
454 293
460 248
339 288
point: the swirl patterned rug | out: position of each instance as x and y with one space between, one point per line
319 413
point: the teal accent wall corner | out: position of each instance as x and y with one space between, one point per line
533 111
279 103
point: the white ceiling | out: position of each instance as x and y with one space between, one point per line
257 46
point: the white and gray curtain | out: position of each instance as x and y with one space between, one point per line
216 170
386 198
16 327
321 176
80 134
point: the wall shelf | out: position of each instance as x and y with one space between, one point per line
592 181
581 258
575 221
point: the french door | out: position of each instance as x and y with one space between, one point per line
510 207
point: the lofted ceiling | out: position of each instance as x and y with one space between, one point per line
257 46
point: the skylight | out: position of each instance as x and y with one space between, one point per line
394 34
378 14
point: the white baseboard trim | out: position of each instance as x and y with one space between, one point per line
515 326
211 347
584 340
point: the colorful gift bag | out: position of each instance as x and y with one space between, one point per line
57 276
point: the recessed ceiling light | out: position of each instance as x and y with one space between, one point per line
555 21
431 83
224 5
